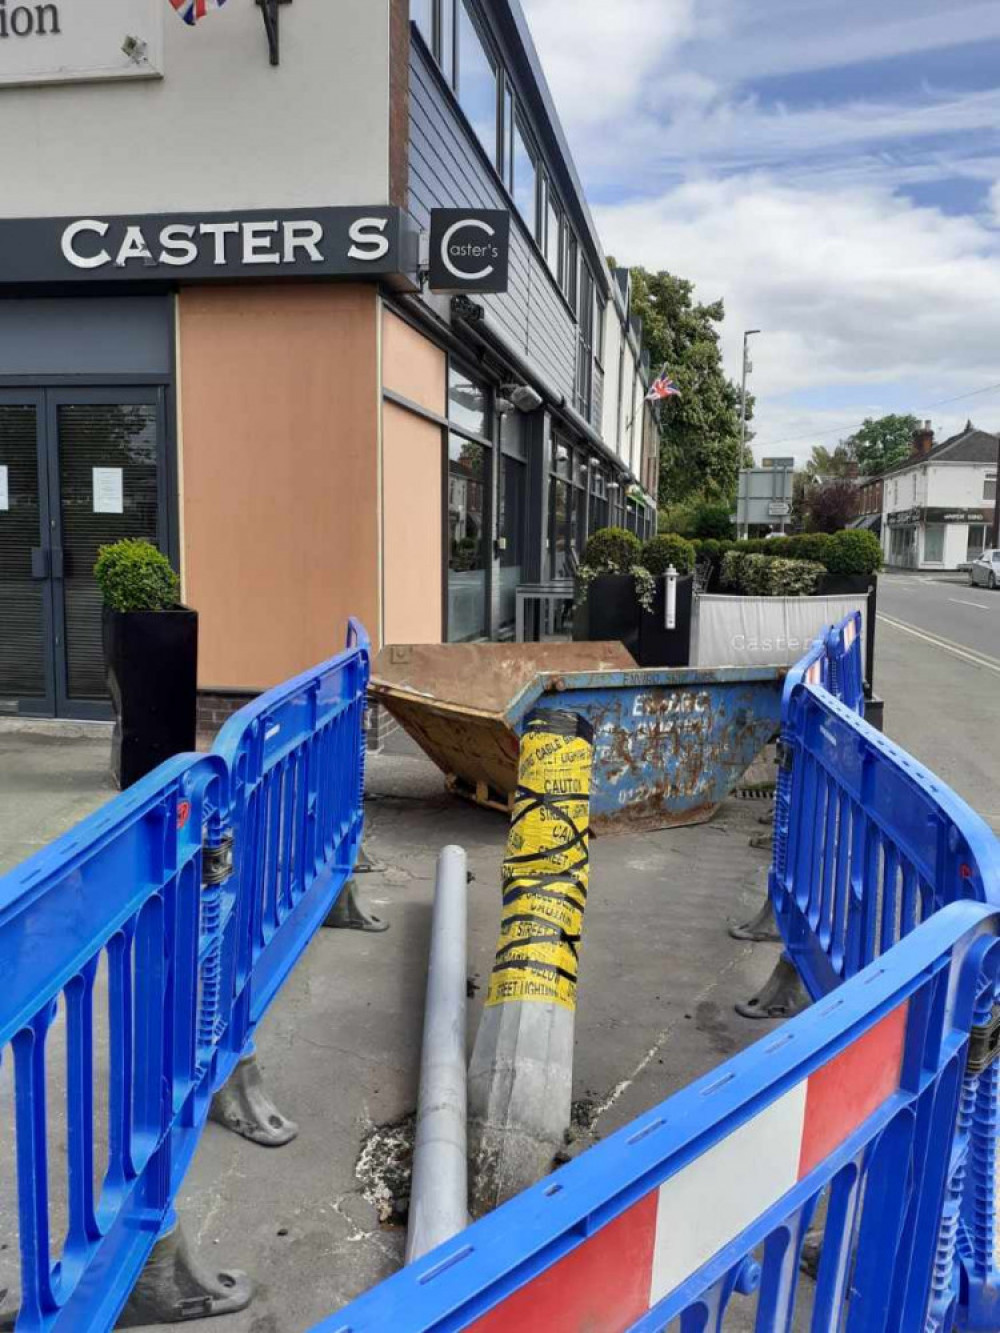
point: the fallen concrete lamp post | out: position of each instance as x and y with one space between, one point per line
521 1074
439 1194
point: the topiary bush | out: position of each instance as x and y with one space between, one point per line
134 576
659 553
713 518
852 552
612 551
753 575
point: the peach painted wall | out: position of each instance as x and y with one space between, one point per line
411 365
411 490
278 433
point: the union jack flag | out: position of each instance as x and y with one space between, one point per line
193 10
661 388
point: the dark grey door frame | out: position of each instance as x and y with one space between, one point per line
153 396
43 705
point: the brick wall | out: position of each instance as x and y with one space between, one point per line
216 709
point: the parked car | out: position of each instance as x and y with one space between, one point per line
986 570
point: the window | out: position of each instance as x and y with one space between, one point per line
422 14
550 240
601 317
467 546
934 543
446 53
466 402
990 487
524 177
571 263
507 148
477 81
585 351
976 541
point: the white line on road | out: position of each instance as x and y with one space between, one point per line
966 654
961 601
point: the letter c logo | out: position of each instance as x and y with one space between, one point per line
463 274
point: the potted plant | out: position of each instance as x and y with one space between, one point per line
150 657
610 586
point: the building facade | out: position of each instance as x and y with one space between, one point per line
216 332
938 507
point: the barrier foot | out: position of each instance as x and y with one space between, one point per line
348 914
242 1105
175 1287
761 929
782 996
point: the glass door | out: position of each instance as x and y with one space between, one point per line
105 466
26 661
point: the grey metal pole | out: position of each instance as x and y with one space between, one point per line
439 1195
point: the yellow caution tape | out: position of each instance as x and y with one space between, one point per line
546 866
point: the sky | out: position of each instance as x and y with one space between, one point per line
829 168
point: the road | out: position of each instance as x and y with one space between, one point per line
937 665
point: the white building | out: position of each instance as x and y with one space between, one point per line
937 507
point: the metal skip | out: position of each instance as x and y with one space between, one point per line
439 1196
521 1074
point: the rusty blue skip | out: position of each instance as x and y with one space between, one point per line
669 744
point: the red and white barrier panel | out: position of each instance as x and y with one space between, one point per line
850 632
631 1264
814 674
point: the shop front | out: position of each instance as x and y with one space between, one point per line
932 537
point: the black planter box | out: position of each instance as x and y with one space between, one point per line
659 646
151 660
610 610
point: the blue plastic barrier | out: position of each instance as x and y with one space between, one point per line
129 941
296 758
854 1117
868 844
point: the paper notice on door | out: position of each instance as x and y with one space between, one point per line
109 497
4 490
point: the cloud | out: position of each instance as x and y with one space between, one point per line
598 57
863 296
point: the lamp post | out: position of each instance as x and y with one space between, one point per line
995 533
747 335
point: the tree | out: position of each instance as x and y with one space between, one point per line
831 506
882 442
700 430
837 462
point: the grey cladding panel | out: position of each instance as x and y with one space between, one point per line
446 172
84 335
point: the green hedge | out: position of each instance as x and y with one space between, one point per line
134 576
850 552
756 575
659 553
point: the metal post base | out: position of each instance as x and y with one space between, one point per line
348 914
175 1287
242 1105
782 996
760 929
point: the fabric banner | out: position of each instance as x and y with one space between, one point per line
764 631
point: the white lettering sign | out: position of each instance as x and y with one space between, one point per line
369 242
452 251
4 491
67 41
109 491
90 244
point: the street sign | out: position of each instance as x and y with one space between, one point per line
470 250
779 509
777 462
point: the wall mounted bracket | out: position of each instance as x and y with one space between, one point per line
272 26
